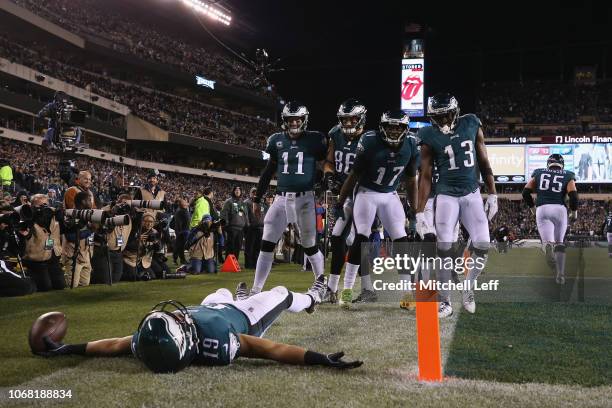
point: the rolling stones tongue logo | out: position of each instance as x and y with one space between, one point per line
411 87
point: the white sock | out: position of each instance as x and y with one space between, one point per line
474 273
350 273
300 302
262 270
332 282
318 264
366 283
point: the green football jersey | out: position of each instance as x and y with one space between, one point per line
382 166
551 185
345 151
218 328
454 156
296 159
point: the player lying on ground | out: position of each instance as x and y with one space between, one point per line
216 332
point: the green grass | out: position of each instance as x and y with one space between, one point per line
559 354
554 343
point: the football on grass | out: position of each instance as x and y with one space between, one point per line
52 324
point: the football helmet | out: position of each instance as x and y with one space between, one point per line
352 108
394 127
555 160
167 341
294 110
443 112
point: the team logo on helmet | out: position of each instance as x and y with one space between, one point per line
411 87
291 111
349 109
443 112
394 127
555 160
167 341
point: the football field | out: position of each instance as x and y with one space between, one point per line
538 351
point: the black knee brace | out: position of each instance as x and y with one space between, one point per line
355 251
311 251
338 247
267 246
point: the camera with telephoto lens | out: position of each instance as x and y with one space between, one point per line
117 221
152 237
152 204
95 216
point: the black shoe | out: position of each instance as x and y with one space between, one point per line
242 291
366 296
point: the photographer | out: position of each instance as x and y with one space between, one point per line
60 113
201 244
11 283
42 245
141 246
109 243
254 232
76 230
151 191
82 185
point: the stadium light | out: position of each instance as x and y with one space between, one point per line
208 10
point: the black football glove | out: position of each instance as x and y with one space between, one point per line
333 360
53 348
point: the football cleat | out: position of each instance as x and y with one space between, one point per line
294 110
366 296
330 296
346 298
443 112
408 301
469 304
394 127
555 160
317 292
445 310
242 292
352 117
560 278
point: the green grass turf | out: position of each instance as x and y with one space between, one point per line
557 343
554 354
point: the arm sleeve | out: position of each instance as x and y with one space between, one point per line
527 197
266 176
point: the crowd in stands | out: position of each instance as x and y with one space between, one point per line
91 18
37 171
544 102
168 111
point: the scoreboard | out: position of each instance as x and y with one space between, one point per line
515 160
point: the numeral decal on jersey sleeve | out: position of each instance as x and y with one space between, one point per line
469 151
381 175
300 166
545 183
212 345
344 166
